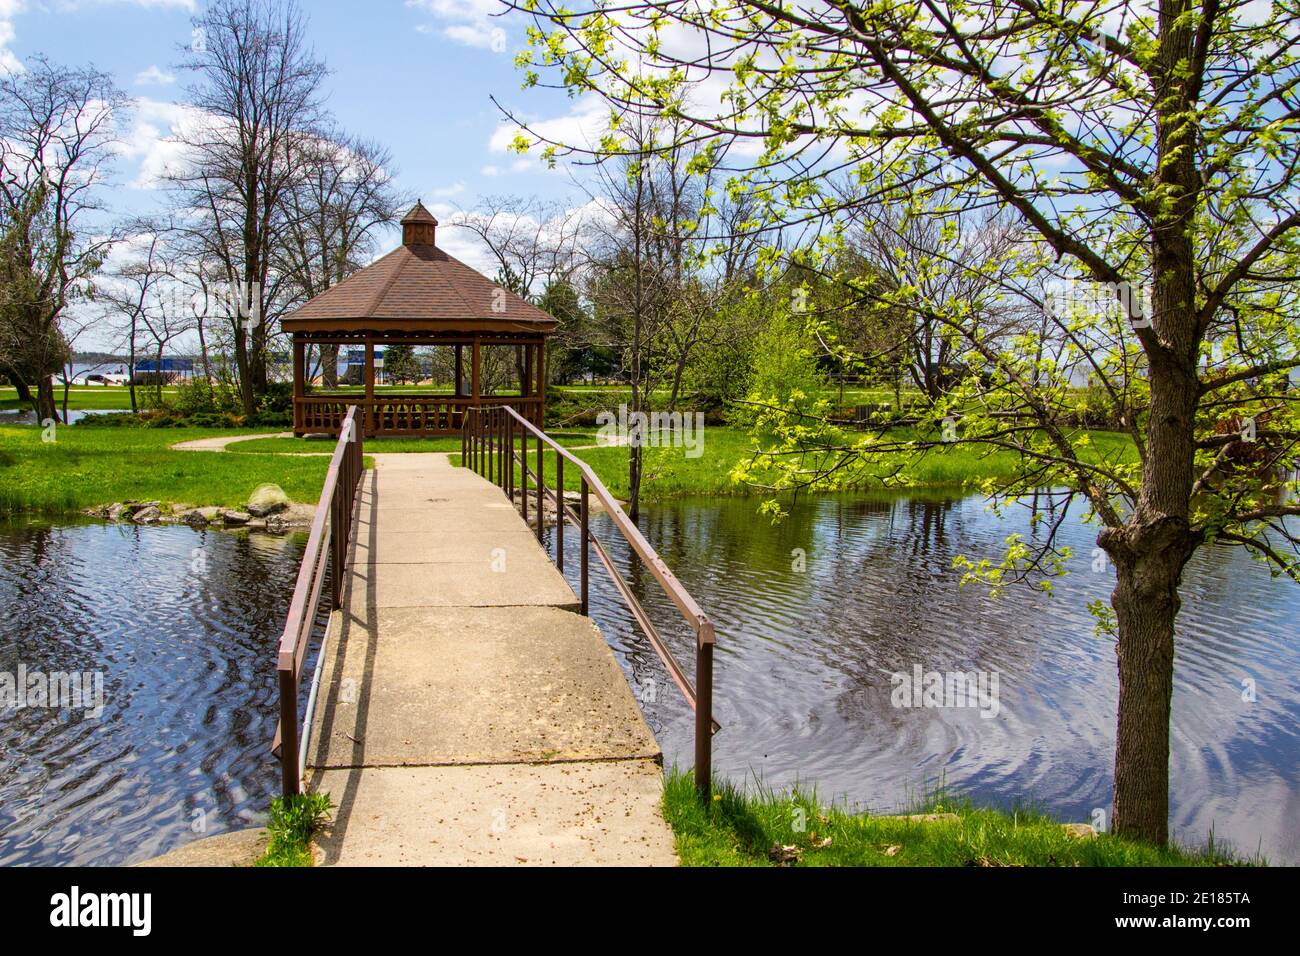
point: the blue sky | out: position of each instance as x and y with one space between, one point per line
415 76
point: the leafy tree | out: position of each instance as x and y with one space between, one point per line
1146 146
400 364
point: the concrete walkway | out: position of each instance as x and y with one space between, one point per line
219 444
468 714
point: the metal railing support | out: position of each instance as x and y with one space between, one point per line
492 428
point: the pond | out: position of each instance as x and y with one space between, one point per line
815 615
180 627
808 649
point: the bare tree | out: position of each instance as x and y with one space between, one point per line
56 134
344 194
257 88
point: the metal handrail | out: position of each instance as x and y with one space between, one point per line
327 549
488 446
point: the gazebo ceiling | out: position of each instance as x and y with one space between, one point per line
418 288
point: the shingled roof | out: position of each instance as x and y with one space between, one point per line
416 288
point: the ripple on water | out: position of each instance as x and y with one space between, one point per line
182 625
803 665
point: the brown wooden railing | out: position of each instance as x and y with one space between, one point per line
398 414
326 557
493 441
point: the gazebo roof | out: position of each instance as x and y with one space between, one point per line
418 288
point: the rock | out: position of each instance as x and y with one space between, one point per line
236 518
1080 831
209 514
195 519
276 524
267 500
149 514
115 511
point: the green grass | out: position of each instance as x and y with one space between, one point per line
739 828
88 466
291 826
88 397
382 446
670 474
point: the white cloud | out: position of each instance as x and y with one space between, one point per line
154 76
8 10
446 192
155 140
474 23
581 127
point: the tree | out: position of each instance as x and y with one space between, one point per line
1145 146
146 294
56 135
257 88
400 365
344 193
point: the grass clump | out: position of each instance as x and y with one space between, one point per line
292 823
769 828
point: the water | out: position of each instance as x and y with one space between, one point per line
182 624
804 662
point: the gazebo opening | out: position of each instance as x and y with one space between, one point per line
415 338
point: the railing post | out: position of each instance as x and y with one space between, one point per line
703 717
501 448
523 474
582 511
289 733
559 512
541 489
510 459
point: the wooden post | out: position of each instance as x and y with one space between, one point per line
526 385
299 385
460 370
370 385
474 372
541 384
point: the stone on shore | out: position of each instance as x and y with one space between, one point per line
266 500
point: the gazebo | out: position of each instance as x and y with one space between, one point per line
418 295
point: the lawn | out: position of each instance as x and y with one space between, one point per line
383 446
87 397
88 466
669 473
742 828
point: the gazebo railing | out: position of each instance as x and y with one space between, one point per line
494 440
397 414
326 556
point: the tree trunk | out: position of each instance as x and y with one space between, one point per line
1149 565
329 366
46 409
20 385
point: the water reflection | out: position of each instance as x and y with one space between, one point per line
806 656
183 625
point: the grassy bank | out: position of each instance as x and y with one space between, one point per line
738 828
87 466
383 446
669 473
88 397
